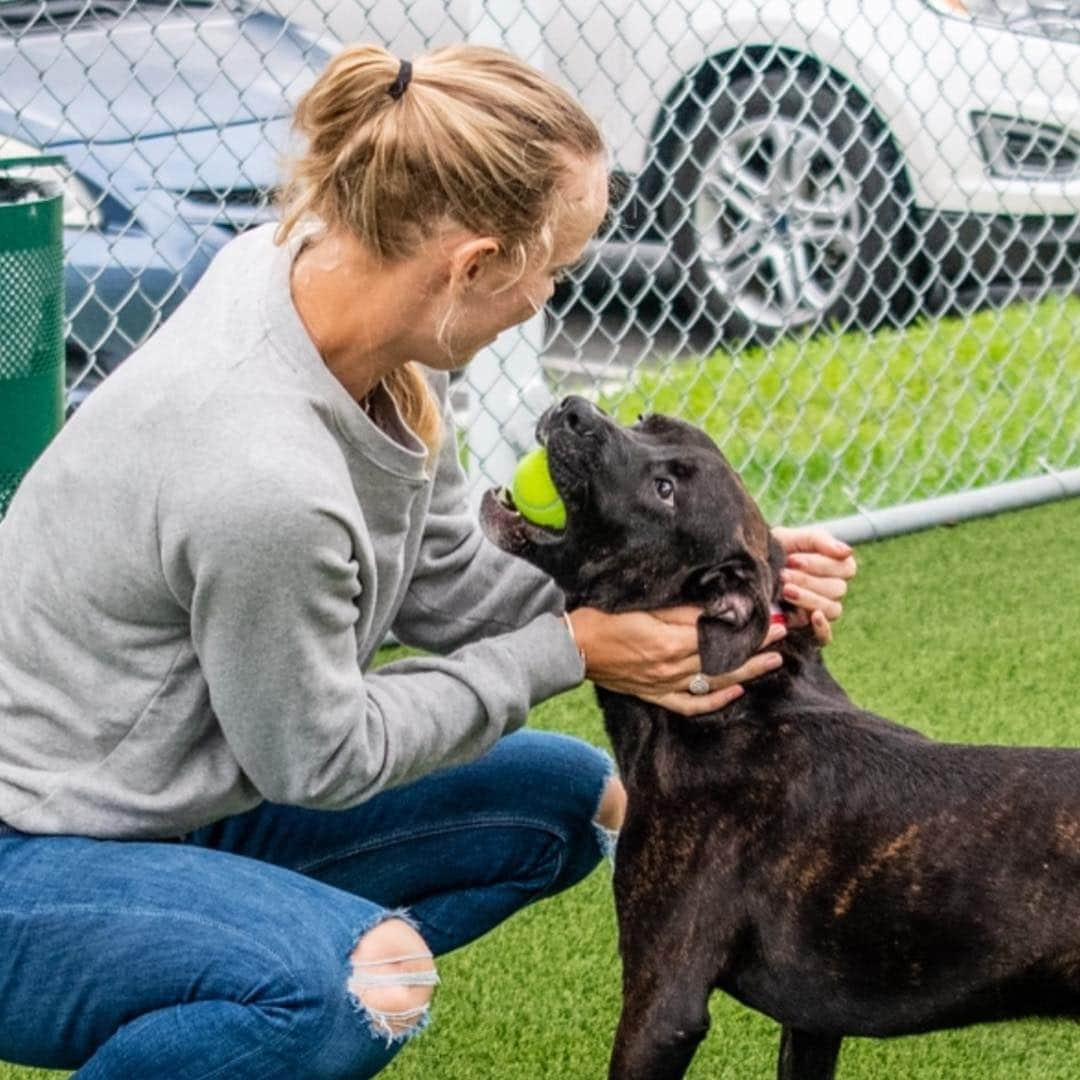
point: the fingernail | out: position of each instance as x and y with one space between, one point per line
774 660
795 561
791 592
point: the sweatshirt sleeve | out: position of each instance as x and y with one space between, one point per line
272 587
464 587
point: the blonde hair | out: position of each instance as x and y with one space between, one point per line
478 138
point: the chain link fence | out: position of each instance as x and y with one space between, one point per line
846 236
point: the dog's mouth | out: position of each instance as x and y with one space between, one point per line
570 462
502 522
507 528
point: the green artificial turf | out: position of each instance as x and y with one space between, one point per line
819 428
967 633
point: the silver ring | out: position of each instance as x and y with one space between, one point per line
699 685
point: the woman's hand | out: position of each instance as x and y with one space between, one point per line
653 655
815 577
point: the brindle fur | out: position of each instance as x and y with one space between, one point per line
834 870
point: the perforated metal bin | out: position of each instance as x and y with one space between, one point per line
31 317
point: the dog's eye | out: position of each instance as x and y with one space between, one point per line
665 489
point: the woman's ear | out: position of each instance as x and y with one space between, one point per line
470 258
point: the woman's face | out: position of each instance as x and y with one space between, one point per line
491 298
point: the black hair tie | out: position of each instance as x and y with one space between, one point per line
401 83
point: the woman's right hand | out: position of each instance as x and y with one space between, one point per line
653 655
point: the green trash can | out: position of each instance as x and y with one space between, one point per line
31 316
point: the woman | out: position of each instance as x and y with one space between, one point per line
227 848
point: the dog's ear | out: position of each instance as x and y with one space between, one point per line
735 597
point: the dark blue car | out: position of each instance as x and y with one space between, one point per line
171 117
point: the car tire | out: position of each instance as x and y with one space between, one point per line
787 210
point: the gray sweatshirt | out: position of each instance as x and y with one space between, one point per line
196 573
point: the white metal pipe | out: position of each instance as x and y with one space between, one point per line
947 509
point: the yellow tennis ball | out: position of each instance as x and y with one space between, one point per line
535 495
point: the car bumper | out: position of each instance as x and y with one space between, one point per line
1000 254
962 257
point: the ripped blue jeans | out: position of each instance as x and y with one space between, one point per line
228 953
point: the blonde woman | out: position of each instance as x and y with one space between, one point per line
227 848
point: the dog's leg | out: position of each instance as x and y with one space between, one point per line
659 1030
806 1055
667 978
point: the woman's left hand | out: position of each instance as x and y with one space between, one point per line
815 577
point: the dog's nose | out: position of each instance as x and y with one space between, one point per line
575 415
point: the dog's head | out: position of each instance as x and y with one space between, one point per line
655 516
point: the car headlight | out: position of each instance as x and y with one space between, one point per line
81 210
1058 19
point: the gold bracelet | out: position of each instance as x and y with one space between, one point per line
573 638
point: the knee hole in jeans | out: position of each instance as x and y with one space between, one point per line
610 815
612 809
393 978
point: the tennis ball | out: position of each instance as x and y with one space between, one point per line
534 494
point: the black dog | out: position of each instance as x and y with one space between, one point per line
838 872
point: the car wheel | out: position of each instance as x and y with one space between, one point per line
787 209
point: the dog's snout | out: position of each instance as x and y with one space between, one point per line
576 415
